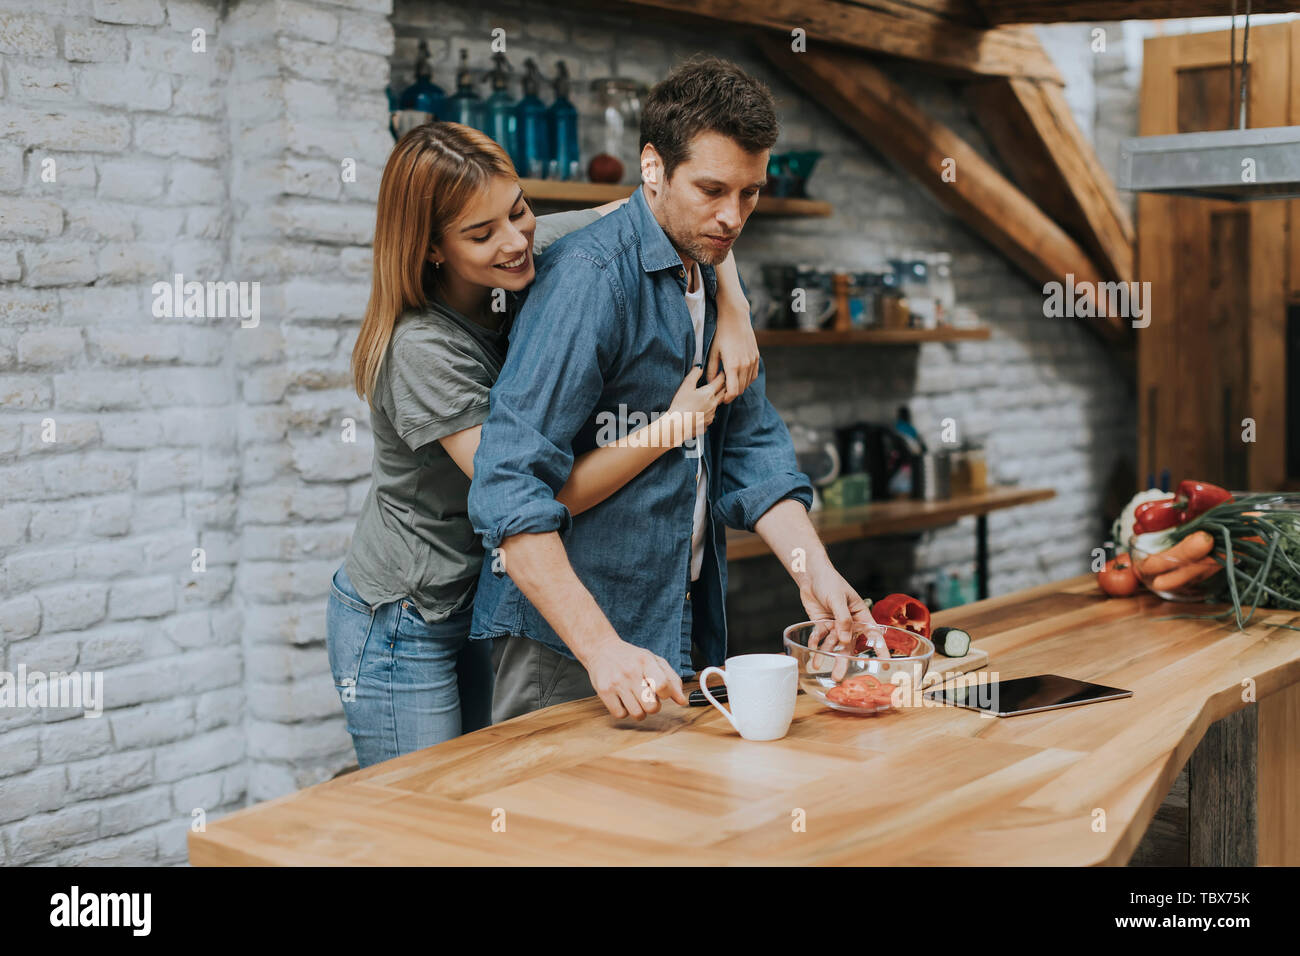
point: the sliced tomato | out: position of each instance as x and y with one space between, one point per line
870 681
847 696
886 694
861 696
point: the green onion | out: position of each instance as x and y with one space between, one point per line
1252 572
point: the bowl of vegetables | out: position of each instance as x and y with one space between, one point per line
856 679
1168 549
1239 549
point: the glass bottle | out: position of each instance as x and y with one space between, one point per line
532 139
619 101
945 293
499 107
424 95
562 119
914 274
956 595
464 106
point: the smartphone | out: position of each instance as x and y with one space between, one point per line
696 698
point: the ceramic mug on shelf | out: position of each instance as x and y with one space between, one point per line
761 689
812 298
762 308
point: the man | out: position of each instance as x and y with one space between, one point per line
608 602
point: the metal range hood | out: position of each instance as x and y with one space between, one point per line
1233 164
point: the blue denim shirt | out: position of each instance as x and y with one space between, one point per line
606 325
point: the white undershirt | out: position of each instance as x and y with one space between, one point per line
695 303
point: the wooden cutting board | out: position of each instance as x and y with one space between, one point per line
952 666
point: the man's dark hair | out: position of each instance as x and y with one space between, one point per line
707 93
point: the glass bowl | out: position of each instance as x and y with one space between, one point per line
1211 584
1198 589
849 682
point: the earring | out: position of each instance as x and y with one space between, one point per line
437 264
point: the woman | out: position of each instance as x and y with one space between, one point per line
454 252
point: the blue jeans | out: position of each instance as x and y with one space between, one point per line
405 685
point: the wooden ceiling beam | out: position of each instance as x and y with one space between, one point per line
1034 132
878 110
944 34
1062 11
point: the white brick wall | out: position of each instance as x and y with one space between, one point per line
176 434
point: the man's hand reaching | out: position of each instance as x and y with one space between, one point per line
827 596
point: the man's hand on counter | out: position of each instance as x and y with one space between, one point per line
630 680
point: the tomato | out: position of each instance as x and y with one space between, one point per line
1118 578
862 690
869 681
848 696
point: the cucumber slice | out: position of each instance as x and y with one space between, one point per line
951 641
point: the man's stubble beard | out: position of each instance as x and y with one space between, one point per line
692 249
699 252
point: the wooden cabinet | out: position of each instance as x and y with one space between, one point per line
1221 274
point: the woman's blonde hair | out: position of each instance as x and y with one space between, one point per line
428 181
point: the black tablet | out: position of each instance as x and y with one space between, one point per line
1025 695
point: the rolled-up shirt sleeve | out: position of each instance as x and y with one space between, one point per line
758 463
565 335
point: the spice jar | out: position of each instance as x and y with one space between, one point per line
978 468
892 308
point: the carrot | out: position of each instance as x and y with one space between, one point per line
1185 574
1192 548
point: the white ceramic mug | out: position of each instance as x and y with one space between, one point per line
761 689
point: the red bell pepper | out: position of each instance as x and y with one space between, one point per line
1194 498
1156 515
900 610
1201 496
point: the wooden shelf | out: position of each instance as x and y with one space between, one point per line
900 516
593 194
868 336
776 206
557 191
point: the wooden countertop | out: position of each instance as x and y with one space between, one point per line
930 785
899 516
